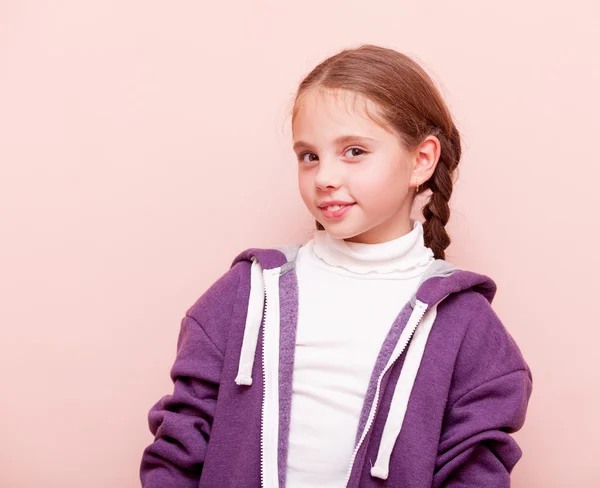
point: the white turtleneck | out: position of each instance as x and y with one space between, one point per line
349 296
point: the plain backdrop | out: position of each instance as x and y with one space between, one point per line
143 144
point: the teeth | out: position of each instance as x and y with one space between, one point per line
334 208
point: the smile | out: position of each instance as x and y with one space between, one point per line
335 211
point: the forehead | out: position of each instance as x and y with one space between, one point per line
322 110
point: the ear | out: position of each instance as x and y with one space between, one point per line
426 157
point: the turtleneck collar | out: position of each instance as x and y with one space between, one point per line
404 257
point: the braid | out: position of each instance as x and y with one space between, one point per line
437 209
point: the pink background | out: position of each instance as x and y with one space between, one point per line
143 144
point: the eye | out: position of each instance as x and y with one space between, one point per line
301 157
356 151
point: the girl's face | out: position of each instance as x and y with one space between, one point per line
354 176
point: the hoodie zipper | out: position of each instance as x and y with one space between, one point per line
270 408
416 316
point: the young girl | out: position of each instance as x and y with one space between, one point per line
362 358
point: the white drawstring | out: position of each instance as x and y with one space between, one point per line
395 418
253 320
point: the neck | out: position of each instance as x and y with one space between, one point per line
397 258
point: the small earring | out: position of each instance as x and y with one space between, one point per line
417 187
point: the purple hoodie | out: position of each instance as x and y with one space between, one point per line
448 387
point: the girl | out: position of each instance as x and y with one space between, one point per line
362 358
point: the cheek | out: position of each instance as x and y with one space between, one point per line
305 186
380 189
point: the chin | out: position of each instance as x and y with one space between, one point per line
341 231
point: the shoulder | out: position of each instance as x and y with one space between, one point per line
488 350
213 310
221 294
216 305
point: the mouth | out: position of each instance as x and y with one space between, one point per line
335 210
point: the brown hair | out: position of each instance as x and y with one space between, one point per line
409 103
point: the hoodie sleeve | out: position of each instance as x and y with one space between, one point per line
488 401
181 421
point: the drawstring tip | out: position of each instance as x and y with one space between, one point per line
378 472
243 380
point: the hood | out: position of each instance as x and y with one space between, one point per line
440 280
280 258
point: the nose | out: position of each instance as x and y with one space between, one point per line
328 175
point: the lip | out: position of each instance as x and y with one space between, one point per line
345 208
334 202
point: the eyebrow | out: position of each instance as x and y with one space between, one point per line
339 140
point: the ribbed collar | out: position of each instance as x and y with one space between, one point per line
404 257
